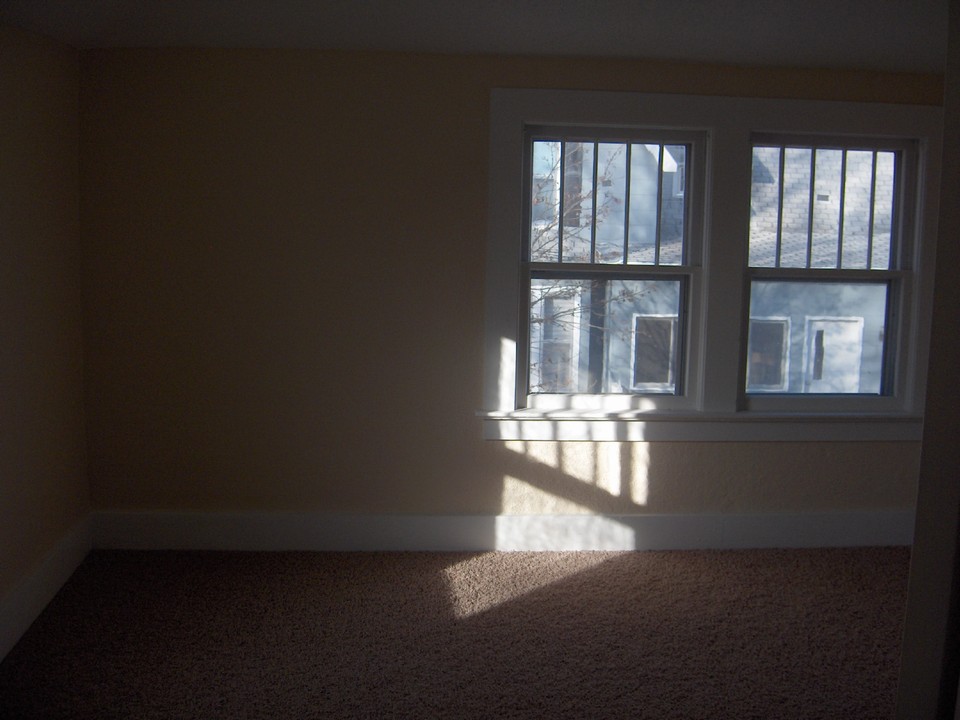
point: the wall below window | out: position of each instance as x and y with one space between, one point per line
284 295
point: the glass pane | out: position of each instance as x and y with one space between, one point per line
611 208
764 206
826 209
577 201
836 335
883 211
796 208
856 208
644 190
545 202
604 336
671 204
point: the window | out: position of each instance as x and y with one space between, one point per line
768 354
655 353
608 264
824 250
680 179
666 266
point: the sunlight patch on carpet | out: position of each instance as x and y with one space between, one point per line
486 581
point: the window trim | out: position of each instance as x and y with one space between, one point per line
716 403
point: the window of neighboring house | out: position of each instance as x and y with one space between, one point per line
661 266
768 354
654 353
679 178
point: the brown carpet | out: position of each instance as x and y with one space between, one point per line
739 634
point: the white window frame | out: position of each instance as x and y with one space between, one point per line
714 406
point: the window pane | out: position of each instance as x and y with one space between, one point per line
592 201
644 191
836 335
850 194
545 202
883 211
825 246
856 208
577 201
795 223
764 206
672 204
604 336
611 195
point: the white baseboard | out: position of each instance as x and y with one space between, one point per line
27 600
259 531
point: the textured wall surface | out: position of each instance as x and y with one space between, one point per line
283 283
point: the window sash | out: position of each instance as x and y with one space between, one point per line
861 365
547 151
549 227
816 206
897 214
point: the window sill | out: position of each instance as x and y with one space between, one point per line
638 426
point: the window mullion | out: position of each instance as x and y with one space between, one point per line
626 205
561 199
873 197
813 179
656 251
782 175
716 305
593 203
843 199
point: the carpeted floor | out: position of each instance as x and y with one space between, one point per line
748 634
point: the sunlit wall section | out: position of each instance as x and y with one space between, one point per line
573 478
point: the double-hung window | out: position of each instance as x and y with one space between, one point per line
830 247
677 267
609 249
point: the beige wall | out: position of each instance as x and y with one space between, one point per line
43 490
282 270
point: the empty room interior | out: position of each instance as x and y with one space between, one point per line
383 277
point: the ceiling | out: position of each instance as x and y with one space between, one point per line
898 35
